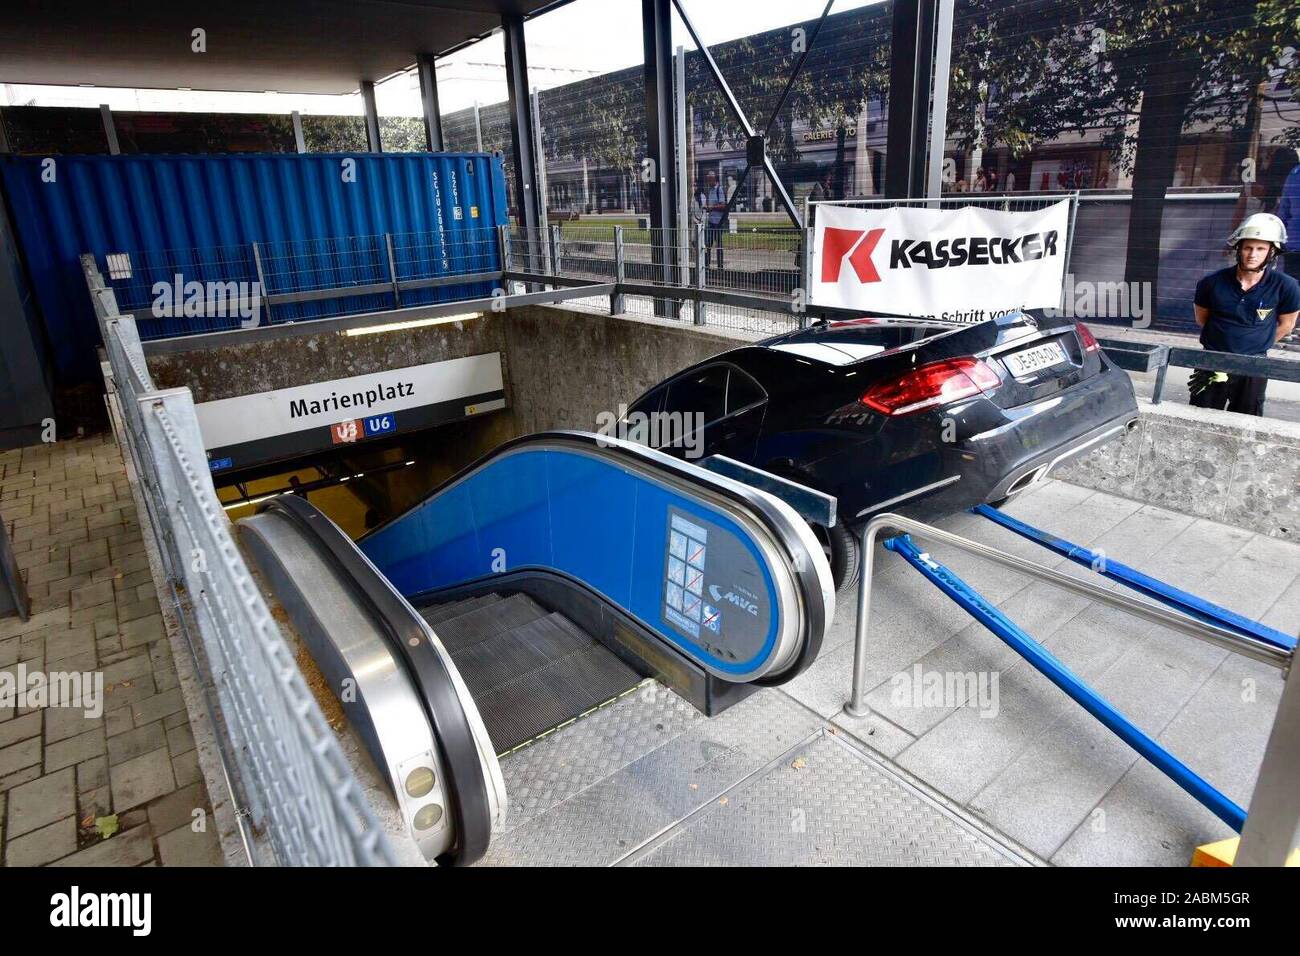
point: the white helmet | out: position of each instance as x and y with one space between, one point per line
1262 226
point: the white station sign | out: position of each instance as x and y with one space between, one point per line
249 418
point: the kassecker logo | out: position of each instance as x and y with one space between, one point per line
858 247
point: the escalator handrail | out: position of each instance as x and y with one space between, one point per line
405 632
759 504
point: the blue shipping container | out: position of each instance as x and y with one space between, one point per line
321 221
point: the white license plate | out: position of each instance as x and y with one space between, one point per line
1031 360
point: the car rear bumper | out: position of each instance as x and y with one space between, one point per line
1025 447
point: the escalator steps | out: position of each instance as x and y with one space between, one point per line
528 670
538 700
484 621
445 612
489 663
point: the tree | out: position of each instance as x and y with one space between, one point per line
1060 68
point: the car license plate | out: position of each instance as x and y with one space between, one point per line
1031 360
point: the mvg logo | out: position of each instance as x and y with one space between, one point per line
855 244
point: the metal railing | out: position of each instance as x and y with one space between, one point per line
1271 830
209 289
288 770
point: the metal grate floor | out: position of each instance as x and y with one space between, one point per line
529 670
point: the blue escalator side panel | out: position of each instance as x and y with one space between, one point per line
612 529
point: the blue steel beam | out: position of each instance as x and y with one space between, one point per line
1135 580
1003 627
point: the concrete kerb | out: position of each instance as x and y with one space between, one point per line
1237 469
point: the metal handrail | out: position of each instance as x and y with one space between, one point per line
1220 637
1272 828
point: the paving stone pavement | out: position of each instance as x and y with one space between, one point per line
1034 765
71 518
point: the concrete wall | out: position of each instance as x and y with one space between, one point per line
252 364
563 367
569 366
1232 468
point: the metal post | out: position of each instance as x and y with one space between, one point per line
555 249
1159 388
425 67
701 267
1271 836
110 130
939 109
656 27
264 295
543 220
373 143
910 73
521 127
805 275
392 269
683 178
299 141
620 274
478 128
1069 245
503 249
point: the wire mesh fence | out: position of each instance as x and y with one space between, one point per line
673 274
190 291
286 764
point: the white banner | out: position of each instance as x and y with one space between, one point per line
232 421
964 265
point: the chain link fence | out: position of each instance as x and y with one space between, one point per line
288 769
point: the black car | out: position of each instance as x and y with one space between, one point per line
891 414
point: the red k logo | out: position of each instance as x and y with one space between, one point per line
857 244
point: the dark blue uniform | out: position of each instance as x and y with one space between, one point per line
1244 323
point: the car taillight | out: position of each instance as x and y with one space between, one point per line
937 383
1089 340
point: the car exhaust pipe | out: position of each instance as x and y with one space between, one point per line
1027 479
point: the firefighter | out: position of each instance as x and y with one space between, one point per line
1244 309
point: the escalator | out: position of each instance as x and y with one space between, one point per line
539 584
528 669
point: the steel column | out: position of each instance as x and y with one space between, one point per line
521 126
939 107
661 152
110 130
372 117
424 65
910 70
1271 836
299 141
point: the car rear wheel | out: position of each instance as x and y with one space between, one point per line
841 550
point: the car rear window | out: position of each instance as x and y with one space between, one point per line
703 392
742 391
